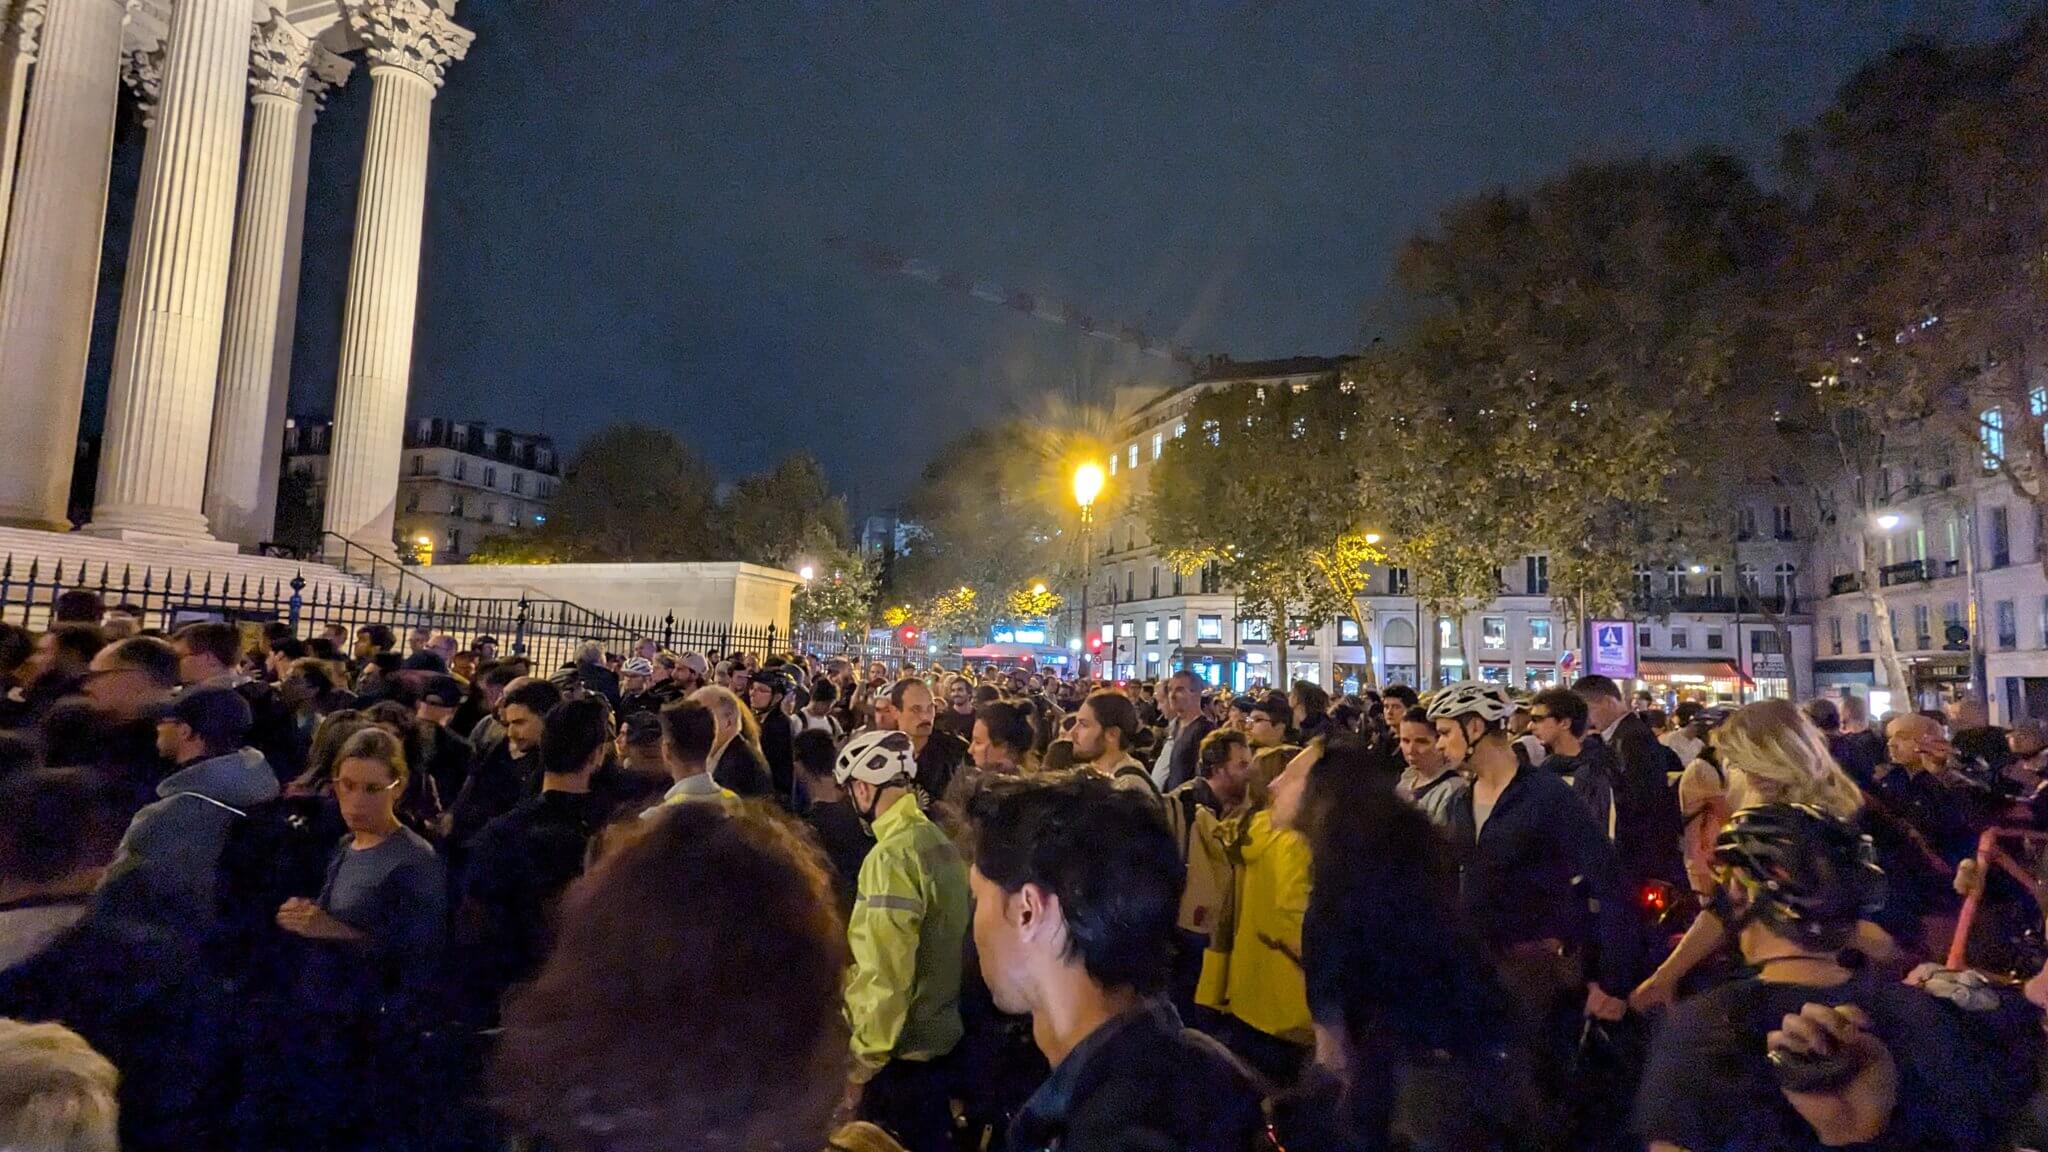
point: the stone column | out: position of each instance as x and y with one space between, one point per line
329 71
281 63
51 272
411 43
160 399
21 27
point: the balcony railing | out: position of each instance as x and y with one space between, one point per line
1845 583
1664 605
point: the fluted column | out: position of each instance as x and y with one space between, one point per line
281 63
160 399
410 43
51 272
21 29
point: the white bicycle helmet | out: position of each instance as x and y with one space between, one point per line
1484 699
876 757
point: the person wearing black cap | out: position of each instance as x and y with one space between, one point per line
172 848
642 775
765 694
446 756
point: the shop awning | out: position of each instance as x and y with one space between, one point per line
1208 652
1710 669
1845 667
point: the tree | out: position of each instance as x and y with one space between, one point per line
1037 602
632 492
840 592
785 517
1266 486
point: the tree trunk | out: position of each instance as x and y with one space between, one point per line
1881 621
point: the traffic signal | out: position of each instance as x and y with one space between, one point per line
907 635
1095 644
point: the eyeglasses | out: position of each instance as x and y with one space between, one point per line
1535 716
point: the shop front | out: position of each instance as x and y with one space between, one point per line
1672 681
1219 667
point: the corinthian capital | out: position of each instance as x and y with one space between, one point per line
279 58
22 22
325 72
142 68
412 34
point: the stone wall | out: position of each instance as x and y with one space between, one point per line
744 594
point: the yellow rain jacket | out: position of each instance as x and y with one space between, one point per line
907 932
1254 974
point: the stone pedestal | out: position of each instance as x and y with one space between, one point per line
160 402
50 273
410 42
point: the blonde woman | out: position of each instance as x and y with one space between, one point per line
736 760
1769 753
56 1093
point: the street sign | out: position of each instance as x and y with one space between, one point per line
1613 652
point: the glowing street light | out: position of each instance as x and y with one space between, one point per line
1088 481
1372 538
1888 521
1038 589
806 572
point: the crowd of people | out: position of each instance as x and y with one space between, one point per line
386 888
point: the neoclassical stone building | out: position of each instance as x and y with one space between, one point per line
231 92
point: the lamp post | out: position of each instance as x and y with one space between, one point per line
1088 481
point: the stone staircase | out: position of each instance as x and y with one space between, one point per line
164 579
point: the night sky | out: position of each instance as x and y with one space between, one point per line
629 198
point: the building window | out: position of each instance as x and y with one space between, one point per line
1130 584
1113 457
1781 521
1252 631
1645 638
490 476
1745 523
1493 632
1540 678
1397 581
1863 632
1180 429
2001 537
461 468
519 483
419 464
1714 585
1151 631
1745 579
1539 634
1835 634
455 505
1923 636
1108 633
1155 582
1991 431
2008 626
1132 460
1646 583
1208 628
1674 580
2044 621
1176 581
1680 639
491 513
1158 444
455 541
1173 629
412 500
1494 673
1786 578
1536 575
1126 629
1347 630
1714 639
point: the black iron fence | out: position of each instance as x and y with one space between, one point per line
548 632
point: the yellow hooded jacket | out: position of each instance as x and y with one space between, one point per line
1257 976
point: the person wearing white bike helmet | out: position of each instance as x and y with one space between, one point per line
1524 840
911 912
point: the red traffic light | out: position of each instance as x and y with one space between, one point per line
1095 643
906 635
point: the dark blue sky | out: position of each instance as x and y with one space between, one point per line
629 197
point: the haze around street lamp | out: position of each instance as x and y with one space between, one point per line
1088 481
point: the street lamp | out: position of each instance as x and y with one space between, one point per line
1888 521
1088 481
806 572
1372 538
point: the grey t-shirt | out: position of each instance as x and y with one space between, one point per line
396 893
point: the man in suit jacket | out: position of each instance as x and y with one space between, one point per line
1185 727
1647 823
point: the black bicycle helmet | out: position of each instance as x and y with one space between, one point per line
1809 875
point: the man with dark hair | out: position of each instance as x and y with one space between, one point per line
210 654
520 863
78 606
1268 721
1557 718
639 754
1647 824
1105 726
372 639
1186 727
1076 889
447 755
938 753
1311 709
688 731
510 769
55 668
831 815
132 679
172 848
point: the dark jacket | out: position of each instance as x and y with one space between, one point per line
447 759
942 755
601 680
1591 776
496 783
1187 748
1647 823
518 867
778 747
1516 877
1143 1081
743 770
